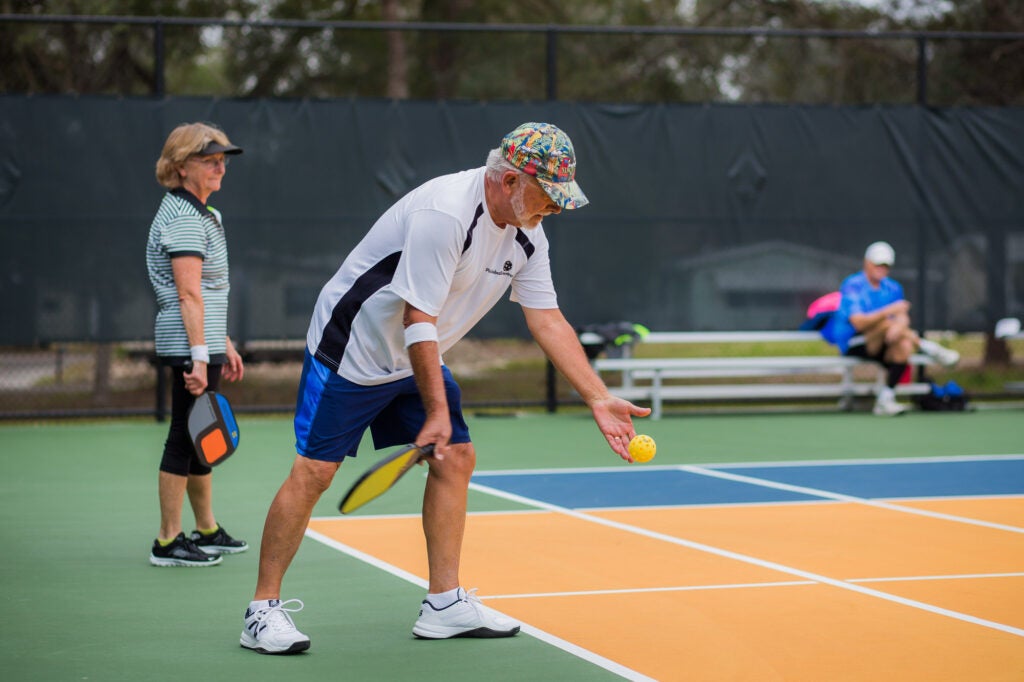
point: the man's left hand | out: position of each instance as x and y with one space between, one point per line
614 418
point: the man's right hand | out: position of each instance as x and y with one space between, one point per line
897 307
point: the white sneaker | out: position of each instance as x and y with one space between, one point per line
466 617
886 405
270 630
947 357
944 356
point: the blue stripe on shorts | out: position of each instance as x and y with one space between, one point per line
332 413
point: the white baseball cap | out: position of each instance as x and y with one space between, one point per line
880 253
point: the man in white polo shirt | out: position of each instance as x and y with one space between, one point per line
427 271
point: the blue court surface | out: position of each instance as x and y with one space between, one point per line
751 484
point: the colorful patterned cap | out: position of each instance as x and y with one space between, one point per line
545 152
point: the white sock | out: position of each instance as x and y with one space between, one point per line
886 395
929 347
443 599
255 606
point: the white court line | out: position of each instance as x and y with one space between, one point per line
626 469
706 505
771 565
417 515
776 503
839 497
960 576
547 637
367 558
587 655
936 459
648 590
743 586
669 507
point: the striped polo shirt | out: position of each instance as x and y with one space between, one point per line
184 226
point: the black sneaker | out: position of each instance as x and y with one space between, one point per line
181 552
218 542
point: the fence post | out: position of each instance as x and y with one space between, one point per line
101 373
158 59
922 71
997 351
551 383
921 311
160 411
552 64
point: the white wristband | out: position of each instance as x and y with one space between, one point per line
421 331
200 354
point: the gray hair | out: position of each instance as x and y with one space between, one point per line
498 165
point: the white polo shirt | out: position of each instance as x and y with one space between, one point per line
438 249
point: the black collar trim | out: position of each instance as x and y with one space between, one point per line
203 209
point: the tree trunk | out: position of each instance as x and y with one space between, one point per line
398 63
997 352
101 377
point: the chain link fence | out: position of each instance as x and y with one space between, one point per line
123 379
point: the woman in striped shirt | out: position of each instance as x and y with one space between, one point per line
187 260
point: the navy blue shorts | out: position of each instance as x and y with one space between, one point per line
859 349
332 413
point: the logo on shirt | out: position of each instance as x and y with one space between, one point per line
504 269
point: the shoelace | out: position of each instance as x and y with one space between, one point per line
281 610
478 605
192 547
472 598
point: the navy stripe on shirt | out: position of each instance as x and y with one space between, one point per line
524 242
339 328
472 226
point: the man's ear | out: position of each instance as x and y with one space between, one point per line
508 180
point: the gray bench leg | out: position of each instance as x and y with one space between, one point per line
656 396
846 399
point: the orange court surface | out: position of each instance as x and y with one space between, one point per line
796 572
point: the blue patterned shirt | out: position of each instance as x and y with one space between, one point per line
859 297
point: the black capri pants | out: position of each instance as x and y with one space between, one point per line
180 456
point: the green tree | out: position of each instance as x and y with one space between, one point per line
969 72
256 60
97 58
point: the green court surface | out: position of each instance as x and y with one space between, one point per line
80 512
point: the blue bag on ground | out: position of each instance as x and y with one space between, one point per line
949 397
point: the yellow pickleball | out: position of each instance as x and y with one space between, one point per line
642 448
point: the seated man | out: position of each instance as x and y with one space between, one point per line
873 322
